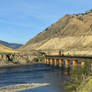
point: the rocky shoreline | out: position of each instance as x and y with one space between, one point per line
15 59
21 87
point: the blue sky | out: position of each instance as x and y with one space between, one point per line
21 20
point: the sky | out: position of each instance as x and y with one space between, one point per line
21 20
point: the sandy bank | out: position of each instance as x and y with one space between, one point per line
21 87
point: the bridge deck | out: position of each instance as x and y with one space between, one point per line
69 57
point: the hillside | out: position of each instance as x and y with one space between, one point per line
11 45
70 32
4 49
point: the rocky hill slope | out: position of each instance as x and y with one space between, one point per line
11 45
70 32
10 57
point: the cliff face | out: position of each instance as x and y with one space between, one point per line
15 59
10 56
71 31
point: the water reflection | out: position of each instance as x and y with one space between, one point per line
38 73
42 89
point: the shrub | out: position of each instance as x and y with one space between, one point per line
35 60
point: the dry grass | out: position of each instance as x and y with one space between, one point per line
4 49
71 31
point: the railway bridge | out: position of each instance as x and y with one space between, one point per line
60 61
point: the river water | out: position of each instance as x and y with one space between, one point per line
38 73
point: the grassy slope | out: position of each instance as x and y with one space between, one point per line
10 45
4 49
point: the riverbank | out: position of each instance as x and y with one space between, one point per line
17 65
86 85
12 59
21 87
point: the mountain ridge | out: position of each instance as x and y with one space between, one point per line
11 45
4 49
71 31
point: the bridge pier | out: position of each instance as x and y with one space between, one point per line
75 62
51 61
82 63
47 61
55 62
61 62
67 63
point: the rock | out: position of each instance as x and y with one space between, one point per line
15 59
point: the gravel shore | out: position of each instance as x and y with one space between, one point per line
21 87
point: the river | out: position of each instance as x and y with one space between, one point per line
32 74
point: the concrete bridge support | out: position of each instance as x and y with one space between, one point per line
51 61
67 63
75 62
55 62
64 63
47 61
82 63
61 62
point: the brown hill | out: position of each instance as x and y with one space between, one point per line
4 49
70 32
11 45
